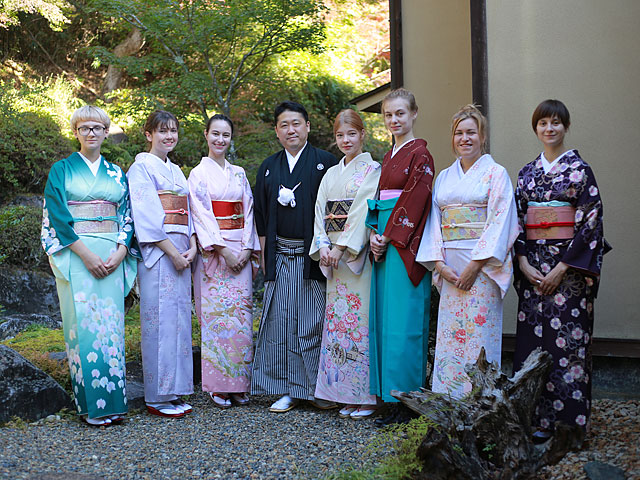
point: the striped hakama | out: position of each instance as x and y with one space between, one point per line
288 347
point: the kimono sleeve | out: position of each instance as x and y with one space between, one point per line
431 245
588 246
355 235
146 208
414 202
125 222
320 237
57 223
204 221
521 208
260 202
249 236
501 227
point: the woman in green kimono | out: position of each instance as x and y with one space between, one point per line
87 232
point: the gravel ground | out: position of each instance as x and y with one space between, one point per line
251 443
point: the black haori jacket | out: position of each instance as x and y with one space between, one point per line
274 169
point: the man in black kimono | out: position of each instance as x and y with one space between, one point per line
288 347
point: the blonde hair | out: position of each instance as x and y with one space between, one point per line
466 112
348 116
89 113
404 94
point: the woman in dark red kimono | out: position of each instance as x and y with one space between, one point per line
400 287
559 250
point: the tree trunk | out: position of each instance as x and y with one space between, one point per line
128 46
488 434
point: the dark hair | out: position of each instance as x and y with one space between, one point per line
291 107
159 119
551 108
219 116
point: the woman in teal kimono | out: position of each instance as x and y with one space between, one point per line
87 233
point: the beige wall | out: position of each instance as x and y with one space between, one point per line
437 58
585 53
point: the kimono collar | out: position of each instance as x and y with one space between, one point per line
93 166
363 157
294 160
477 164
227 165
547 165
397 148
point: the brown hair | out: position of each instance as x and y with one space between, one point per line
405 95
470 111
159 119
551 108
348 116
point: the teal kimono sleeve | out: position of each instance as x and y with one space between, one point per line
57 223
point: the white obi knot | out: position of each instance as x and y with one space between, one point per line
286 197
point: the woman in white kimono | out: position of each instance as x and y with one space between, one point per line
160 207
223 220
467 243
340 244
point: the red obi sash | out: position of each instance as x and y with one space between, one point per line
229 215
176 208
552 223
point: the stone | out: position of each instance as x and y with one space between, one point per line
135 394
603 471
13 324
28 297
25 390
63 476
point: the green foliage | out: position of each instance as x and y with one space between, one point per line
201 52
403 441
20 237
31 136
55 11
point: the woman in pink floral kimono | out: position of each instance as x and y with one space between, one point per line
467 243
222 206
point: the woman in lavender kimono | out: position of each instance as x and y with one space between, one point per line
340 244
160 207
223 219
87 233
467 243
559 250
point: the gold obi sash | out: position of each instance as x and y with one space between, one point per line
229 215
463 222
551 223
175 206
335 215
96 216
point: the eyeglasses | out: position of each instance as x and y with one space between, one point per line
97 130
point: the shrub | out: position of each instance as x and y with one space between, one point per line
20 237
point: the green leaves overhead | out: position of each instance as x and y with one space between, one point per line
210 48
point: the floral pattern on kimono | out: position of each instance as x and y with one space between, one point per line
223 298
470 320
92 309
343 374
561 323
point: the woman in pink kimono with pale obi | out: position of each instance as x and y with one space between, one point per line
467 243
223 219
160 207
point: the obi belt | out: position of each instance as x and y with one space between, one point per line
175 206
96 216
463 222
229 215
335 215
550 220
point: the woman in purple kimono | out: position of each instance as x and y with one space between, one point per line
559 251
162 221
